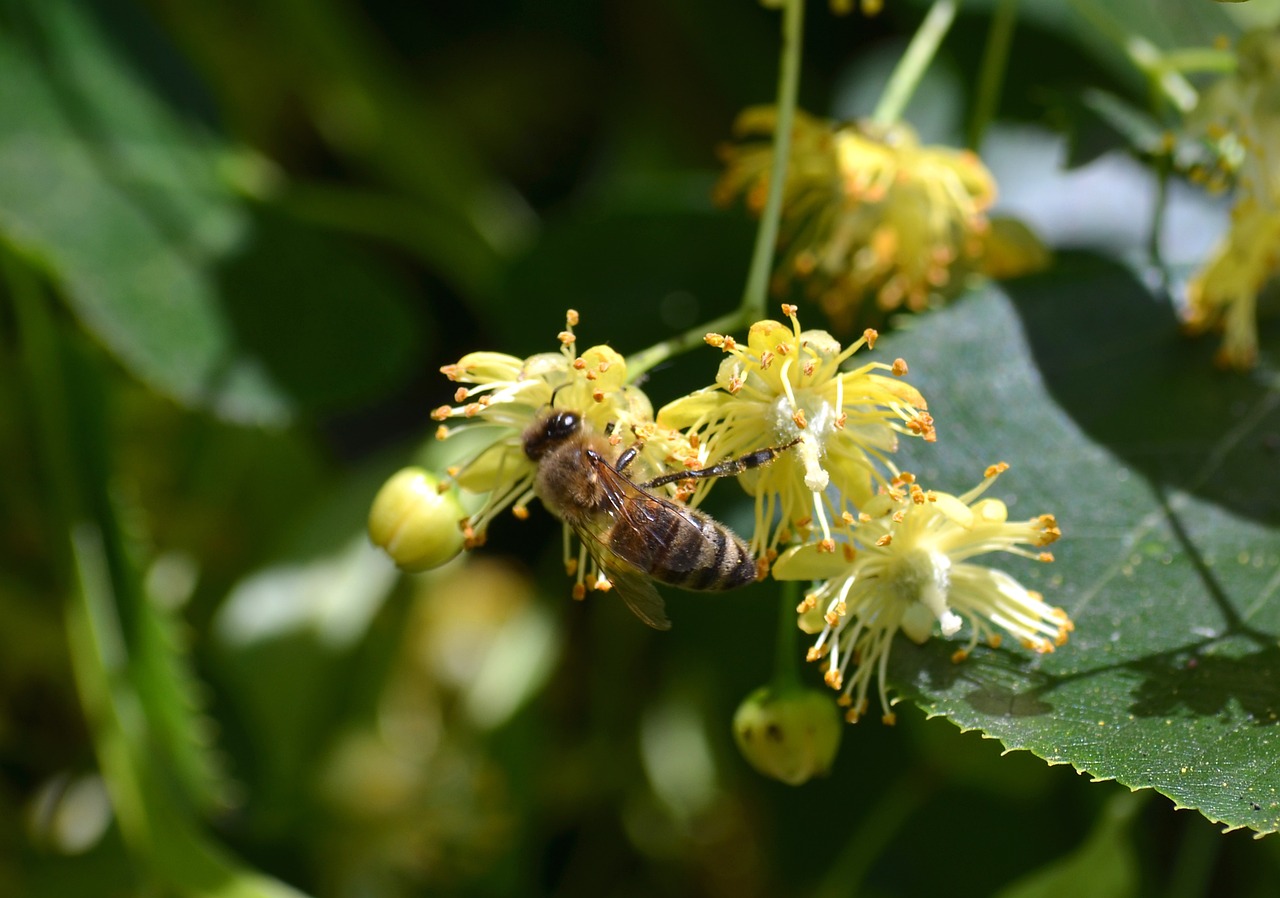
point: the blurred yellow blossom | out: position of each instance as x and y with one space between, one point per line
870 213
786 388
904 568
1241 114
413 789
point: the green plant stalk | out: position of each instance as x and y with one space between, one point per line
754 296
786 662
44 381
1201 59
879 826
1159 207
995 61
757 288
645 359
911 67
98 662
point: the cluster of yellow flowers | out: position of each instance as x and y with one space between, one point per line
806 426
871 215
871 221
886 554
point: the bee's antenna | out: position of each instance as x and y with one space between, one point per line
551 403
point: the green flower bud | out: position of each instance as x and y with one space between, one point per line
415 523
790 734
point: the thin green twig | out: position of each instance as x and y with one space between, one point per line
645 359
1201 59
880 824
754 296
911 67
786 661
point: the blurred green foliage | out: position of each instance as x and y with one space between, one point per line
239 239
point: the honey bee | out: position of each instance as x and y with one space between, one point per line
634 535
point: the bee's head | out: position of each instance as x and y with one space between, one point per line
549 431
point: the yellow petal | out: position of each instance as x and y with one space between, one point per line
501 463
991 511
484 367
766 335
807 563
686 410
608 367
954 509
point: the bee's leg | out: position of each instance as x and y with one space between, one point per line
727 468
631 452
627 457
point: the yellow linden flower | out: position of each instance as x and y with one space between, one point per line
867 213
505 396
906 567
786 388
1241 114
1224 293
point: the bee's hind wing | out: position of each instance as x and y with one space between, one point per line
639 594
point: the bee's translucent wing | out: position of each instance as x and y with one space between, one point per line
633 585
637 591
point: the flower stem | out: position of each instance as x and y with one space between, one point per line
752 307
995 59
1201 59
879 827
911 67
786 665
1159 208
754 295
645 359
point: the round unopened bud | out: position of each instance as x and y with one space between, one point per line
414 522
788 734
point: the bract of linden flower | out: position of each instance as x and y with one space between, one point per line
905 567
1241 114
869 213
786 388
504 394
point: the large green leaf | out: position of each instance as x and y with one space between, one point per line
109 181
1165 476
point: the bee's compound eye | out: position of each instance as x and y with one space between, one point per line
547 433
563 424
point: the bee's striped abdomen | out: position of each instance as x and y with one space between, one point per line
688 549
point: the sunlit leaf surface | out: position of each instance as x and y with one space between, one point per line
1165 476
